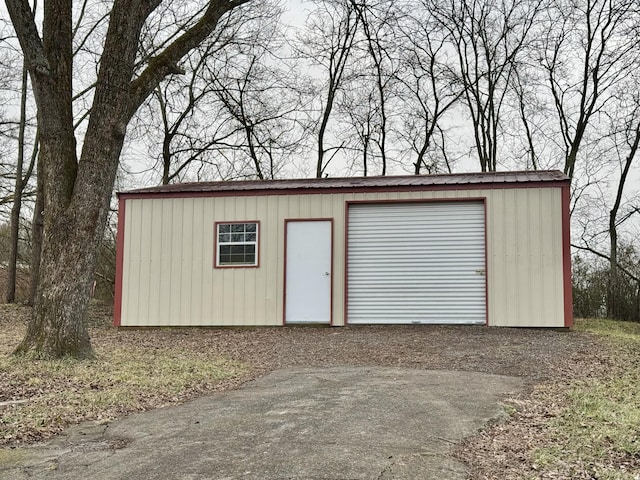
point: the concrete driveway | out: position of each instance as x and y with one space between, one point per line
302 423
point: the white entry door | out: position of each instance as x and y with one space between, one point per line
308 271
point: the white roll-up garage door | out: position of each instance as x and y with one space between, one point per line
416 263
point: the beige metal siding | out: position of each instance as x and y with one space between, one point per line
524 243
169 279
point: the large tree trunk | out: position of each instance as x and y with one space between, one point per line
71 240
69 250
77 194
62 294
53 330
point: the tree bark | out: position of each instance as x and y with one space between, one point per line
77 194
612 284
37 225
613 310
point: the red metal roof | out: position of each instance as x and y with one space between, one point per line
462 179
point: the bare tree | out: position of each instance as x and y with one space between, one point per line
234 115
524 99
487 37
185 121
360 111
327 45
588 49
378 21
428 89
260 111
21 179
77 192
589 56
16 135
256 88
627 142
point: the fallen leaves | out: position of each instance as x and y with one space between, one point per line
40 398
140 369
582 424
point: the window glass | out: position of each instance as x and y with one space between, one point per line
237 244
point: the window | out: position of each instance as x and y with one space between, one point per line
237 244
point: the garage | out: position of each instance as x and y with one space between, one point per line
487 248
418 262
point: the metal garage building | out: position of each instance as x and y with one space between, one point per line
484 248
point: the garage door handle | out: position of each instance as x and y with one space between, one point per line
480 272
327 273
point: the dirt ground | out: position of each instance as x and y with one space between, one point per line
535 355
545 359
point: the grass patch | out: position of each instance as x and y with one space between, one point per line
597 433
125 377
119 381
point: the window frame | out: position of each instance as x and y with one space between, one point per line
217 244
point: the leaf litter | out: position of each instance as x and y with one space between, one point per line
142 369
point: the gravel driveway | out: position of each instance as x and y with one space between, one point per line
534 355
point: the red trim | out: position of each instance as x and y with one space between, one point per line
352 189
566 256
410 200
486 267
419 200
117 307
284 281
215 244
345 296
286 235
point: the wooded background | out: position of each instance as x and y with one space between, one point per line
331 88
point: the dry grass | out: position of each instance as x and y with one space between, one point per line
50 395
583 425
597 433
580 418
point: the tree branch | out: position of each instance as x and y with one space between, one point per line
27 32
166 62
606 257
